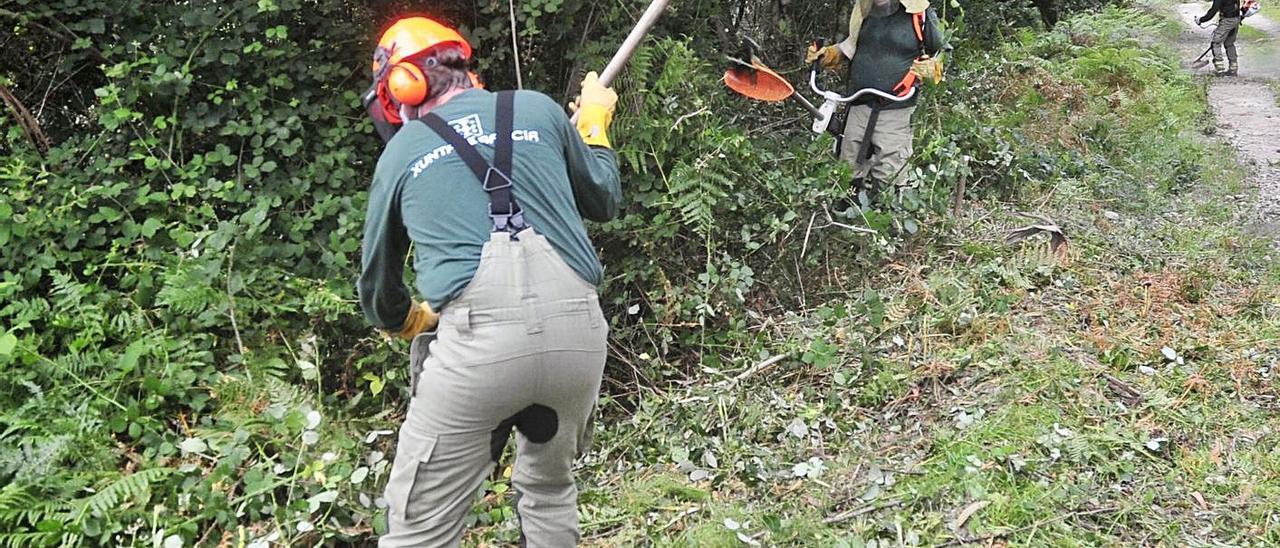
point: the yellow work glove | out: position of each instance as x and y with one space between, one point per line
594 108
420 318
830 57
928 69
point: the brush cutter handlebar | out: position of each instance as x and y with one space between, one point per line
836 97
831 100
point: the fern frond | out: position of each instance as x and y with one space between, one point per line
187 291
286 394
132 487
696 194
13 497
20 513
68 292
22 312
22 540
35 457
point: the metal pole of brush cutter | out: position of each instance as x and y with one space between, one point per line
629 46
1201 61
813 111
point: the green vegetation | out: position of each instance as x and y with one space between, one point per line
185 361
1250 33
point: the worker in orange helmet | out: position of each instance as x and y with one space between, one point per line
506 328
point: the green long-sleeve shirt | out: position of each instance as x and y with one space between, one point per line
423 193
887 47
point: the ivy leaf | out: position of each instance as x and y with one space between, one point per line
193 445
129 360
8 342
360 474
150 226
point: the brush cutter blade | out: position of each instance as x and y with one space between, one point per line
758 82
1200 64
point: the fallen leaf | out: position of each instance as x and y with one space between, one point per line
1200 499
968 512
1057 238
748 540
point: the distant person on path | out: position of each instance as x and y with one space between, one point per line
1224 37
491 190
891 48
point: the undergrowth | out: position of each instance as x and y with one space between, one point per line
969 390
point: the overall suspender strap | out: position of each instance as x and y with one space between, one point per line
504 210
494 178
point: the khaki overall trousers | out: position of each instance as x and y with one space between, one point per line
522 348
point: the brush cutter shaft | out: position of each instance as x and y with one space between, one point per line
629 46
822 120
632 42
807 105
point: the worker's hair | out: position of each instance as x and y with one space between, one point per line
446 70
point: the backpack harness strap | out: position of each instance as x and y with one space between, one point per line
911 79
494 178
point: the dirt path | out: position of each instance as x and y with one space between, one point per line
1246 107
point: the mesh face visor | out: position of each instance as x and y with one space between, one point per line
386 120
384 113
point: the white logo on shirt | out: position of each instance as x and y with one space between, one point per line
425 161
468 127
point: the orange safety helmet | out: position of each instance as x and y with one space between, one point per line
397 79
406 39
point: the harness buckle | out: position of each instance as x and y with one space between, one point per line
510 221
505 182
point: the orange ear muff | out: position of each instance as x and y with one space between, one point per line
407 84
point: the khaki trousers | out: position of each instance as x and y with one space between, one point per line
522 348
1224 38
891 144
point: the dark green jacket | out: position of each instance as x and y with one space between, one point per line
1229 9
423 193
887 47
